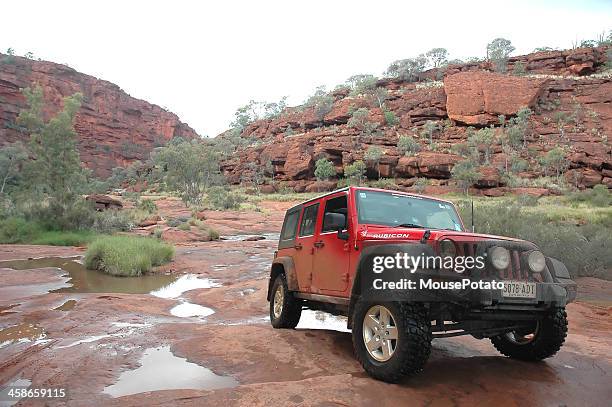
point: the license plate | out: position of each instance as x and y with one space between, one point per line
519 289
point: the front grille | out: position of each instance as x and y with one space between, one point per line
516 270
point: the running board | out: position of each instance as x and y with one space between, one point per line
322 298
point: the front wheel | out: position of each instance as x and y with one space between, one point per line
285 309
391 340
539 341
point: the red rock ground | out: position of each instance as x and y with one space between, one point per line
306 367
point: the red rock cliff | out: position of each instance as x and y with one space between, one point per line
569 92
114 128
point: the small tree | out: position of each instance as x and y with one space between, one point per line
324 169
519 69
498 52
321 101
407 69
374 154
188 167
437 57
407 145
429 129
483 140
556 161
360 120
56 169
355 171
465 174
516 129
362 84
12 157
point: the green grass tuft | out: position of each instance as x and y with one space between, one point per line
127 255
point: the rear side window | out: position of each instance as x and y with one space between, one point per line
309 219
290 226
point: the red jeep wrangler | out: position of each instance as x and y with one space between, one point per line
365 253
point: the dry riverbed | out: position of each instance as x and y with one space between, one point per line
198 334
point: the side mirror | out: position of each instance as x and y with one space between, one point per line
336 221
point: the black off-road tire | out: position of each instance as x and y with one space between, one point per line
413 346
548 339
291 308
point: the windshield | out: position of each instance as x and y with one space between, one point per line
392 209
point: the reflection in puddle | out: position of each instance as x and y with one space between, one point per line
184 283
161 370
125 329
187 309
67 306
20 383
21 333
92 281
322 320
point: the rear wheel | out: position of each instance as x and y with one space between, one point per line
391 340
285 309
539 341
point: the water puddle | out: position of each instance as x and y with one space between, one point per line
67 306
182 284
22 333
161 370
246 238
322 320
92 281
19 383
125 329
187 309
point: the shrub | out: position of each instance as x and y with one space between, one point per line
407 69
583 249
390 118
113 221
147 205
407 145
519 69
555 161
63 238
355 171
184 226
384 183
221 199
127 255
324 169
598 196
17 230
420 184
321 102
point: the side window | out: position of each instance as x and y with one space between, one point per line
309 219
290 226
334 205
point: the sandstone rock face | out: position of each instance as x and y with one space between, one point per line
571 111
114 128
478 98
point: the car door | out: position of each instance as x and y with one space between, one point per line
304 246
331 254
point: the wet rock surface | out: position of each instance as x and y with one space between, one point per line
102 347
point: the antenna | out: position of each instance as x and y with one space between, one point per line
473 227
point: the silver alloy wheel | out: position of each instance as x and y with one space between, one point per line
279 298
518 339
380 333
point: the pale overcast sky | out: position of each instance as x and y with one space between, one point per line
202 60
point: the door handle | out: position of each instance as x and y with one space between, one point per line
319 244
298 246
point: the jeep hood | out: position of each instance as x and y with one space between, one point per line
377 232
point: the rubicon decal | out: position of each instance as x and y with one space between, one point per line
367 234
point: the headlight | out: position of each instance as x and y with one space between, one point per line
536 261
500 257
447 248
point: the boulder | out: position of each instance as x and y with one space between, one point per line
479 97
150 221
104 202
